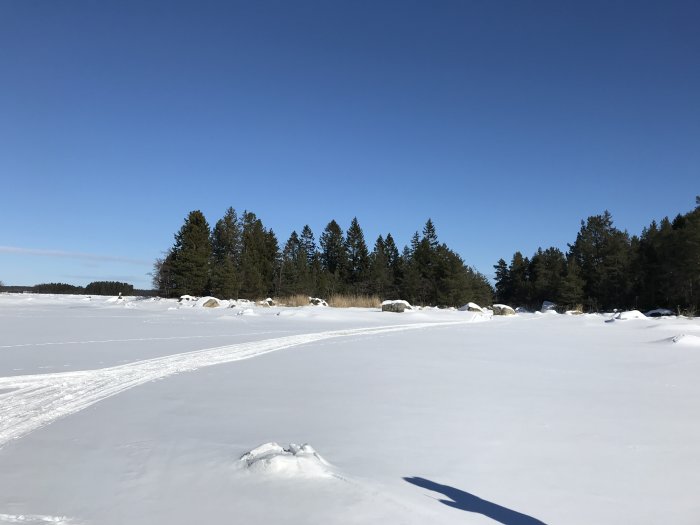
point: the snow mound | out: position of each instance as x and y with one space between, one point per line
686 340
293 461
246 311
628 314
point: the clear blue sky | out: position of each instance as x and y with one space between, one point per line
505 122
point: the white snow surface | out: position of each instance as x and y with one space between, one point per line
138 411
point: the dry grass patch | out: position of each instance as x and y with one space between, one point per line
354 301
293 300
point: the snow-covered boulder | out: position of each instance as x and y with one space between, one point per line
268 302
502 309
548 307
472 307
316 301
397 306
293 461
187 299
659 312
211 302
627 315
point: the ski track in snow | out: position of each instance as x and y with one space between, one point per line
33 401
29 519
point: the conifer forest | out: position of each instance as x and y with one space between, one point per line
604 268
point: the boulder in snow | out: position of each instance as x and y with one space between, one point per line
502 309
472 307
267 302
315 301
659 312
548 307
397 306
211 303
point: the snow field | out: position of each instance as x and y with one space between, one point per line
564 419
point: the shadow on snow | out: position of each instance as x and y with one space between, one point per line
470 503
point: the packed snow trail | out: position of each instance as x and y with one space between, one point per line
32 401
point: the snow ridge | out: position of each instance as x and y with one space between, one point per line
32 401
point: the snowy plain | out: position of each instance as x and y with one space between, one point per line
146 411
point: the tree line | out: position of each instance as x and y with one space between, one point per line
240 258
605 268
94 288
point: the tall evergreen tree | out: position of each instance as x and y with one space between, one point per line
603 254
503 286
357 268
259 258
294 271
334 257
381 278
190 256
571 291
226 251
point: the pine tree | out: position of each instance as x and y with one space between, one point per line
430 234
259 258
547 270
295 269
503 285
357 268
571 292
381 278
190 256
603 254
226 251
520 280
334 257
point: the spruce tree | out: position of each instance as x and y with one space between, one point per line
381 278
259 259
226 250
503 285
294 267
190 256
334 257
357 268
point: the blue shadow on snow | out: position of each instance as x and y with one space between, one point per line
470 503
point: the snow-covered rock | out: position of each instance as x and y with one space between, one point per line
397 306
293 461
472 307
502 309
627 315
548 307
659 312
211 302
316 301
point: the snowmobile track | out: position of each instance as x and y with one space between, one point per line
33 401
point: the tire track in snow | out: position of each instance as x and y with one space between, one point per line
32 401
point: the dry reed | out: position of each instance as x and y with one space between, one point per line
354 301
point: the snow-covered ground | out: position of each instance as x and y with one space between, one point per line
154 412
